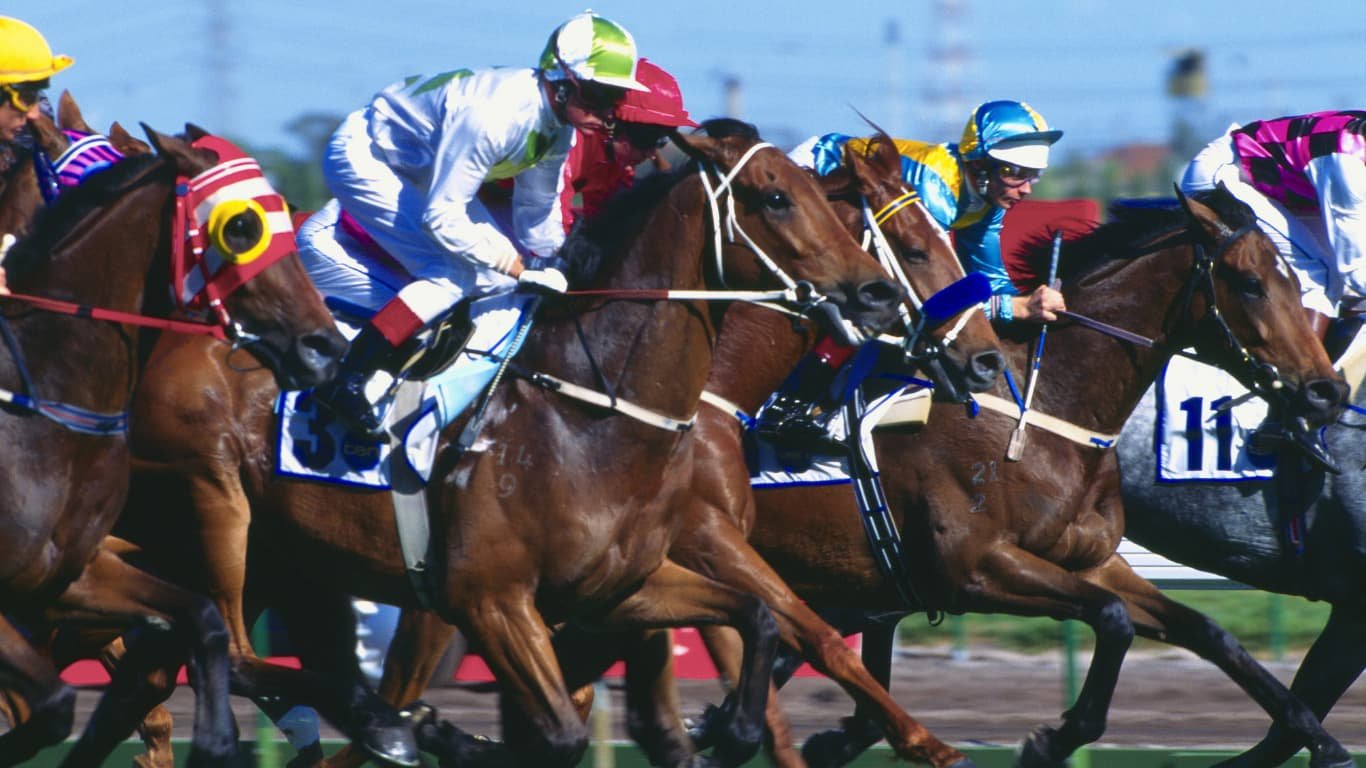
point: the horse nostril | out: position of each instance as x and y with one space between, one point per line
879 293
1325 393
988 365
326 345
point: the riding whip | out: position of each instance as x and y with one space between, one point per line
1015 448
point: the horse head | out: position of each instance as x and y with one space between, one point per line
1253 320
961 356
779 225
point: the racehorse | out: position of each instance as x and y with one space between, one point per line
91 261
1240 531
585 535
1038 537
756 349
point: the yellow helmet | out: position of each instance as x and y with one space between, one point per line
24 55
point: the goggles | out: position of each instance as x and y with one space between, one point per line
24 96
595 97
1017 175
642 137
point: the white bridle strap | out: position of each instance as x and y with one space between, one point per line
731 224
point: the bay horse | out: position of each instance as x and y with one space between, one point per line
89 263
585 535
1239 531
1038 537
756 350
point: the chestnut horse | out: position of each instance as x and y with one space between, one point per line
1038 537
755 351
90 262
580 525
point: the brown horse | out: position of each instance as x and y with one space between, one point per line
107 250
1038 537
579 527
756 350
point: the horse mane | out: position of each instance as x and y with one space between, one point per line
56 220
1130 233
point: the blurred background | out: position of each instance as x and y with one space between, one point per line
1138 87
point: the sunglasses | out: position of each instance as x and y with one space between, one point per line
642 137
23 96
1017 176
596 97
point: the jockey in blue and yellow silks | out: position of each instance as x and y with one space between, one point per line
967 187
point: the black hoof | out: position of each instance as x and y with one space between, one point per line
391 745
1034 752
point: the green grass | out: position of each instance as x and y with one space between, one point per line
1250 615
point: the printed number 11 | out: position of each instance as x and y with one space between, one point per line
1195 432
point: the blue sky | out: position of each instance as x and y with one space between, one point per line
1094 68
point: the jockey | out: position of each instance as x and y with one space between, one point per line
26 65
600 165
967 187
408 168
1304 177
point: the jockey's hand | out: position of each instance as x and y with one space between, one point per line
1041 306
548 280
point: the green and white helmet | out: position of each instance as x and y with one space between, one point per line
592 49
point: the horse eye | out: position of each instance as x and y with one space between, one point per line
1250 286
777 200
243 231
915 255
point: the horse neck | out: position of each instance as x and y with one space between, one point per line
758 348
105 258
655 354
19 201
1091 379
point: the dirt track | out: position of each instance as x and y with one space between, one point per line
1164 699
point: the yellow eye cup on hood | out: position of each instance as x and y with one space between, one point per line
239 246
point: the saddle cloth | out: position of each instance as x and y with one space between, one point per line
313 445
1198 437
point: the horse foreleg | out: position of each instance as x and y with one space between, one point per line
1159 617
725 648
861 730
223 514
155 729
1008 579
730 560
420 639
112 592
1333 663
675 596
44 706
514 641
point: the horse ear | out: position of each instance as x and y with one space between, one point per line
126 143
195 132
699 147
1209 221
69 114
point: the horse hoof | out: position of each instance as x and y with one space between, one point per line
829 749
1034 752
392 745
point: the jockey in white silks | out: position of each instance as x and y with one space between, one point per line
407 169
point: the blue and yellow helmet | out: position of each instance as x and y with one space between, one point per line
1008 131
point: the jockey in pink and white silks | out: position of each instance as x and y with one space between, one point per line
407 169
1305 178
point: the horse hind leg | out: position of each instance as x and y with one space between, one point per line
860 731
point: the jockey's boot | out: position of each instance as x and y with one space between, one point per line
361 383
799 412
